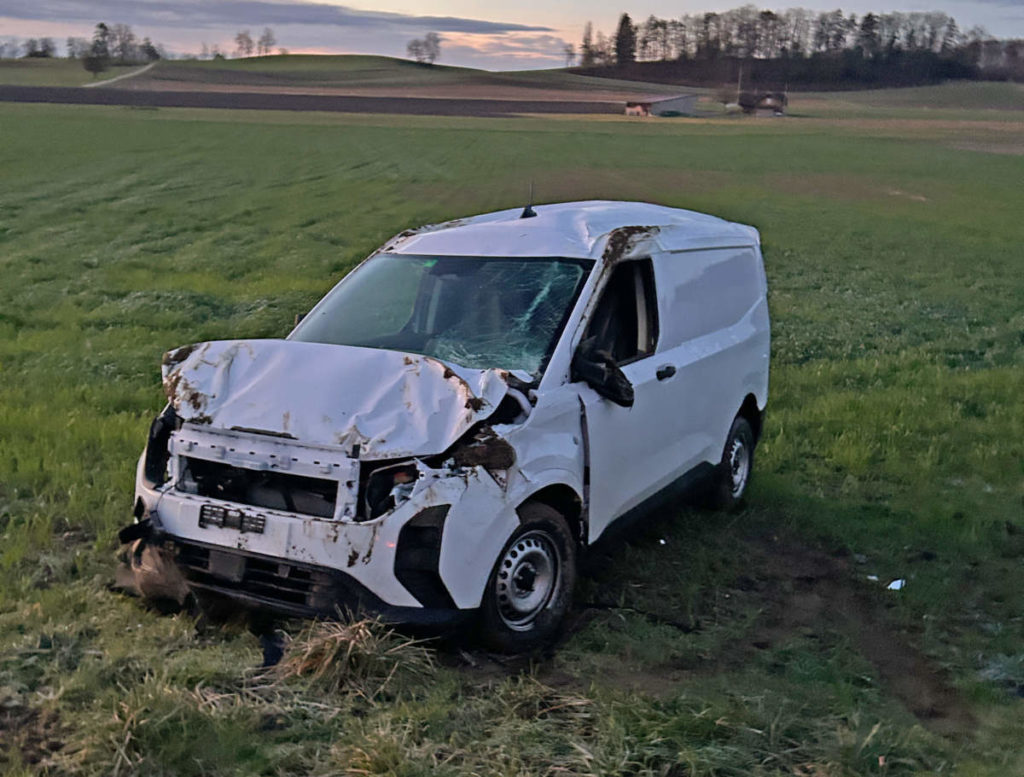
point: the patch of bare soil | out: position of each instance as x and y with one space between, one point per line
801 591
806 590
27 735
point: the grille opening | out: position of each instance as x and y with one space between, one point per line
279 582
273 490
285 586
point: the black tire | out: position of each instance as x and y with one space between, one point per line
732 475
517 614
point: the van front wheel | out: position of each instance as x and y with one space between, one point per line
734 470
530 588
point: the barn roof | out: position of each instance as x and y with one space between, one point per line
571 230
656 100
670 99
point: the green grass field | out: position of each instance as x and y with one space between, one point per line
708 644
953 101
991 95
54 72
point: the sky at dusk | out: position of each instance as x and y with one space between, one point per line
523 34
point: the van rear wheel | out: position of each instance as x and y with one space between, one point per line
530 588
732 475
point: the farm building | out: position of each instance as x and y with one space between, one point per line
683 105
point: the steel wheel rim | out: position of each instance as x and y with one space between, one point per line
528 577
739 467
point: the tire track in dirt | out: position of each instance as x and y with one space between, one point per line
805 589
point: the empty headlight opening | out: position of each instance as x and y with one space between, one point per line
386 487
157 456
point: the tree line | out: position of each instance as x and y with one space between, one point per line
117 44
800 46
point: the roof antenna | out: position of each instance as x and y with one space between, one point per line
528 211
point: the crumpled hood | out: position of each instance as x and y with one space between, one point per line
389 403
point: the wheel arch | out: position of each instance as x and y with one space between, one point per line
755 416
564 499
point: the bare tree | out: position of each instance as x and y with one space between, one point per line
432 43
266 42
679 37
569 50
587 46
645 38
425 51
77 47
244 44
123 45
663 39
653 39
951 38
604 54
415 50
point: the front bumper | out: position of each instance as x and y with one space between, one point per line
406 565
293 589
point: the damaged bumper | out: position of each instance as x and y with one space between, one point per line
407 565
285 588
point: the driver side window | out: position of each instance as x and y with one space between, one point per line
625 321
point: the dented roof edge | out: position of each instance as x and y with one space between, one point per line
574 230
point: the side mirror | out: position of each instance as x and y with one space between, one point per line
599 371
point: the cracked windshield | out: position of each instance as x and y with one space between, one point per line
475 312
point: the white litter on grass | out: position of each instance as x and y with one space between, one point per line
873 578
896 585
661 542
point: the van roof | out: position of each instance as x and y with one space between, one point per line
573 230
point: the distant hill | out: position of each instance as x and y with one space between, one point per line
383 76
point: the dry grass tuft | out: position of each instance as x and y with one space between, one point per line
363 656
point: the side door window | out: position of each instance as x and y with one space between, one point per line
625 322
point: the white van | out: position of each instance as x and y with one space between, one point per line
462 415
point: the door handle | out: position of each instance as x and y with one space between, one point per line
665 372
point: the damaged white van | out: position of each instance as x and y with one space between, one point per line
463 414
